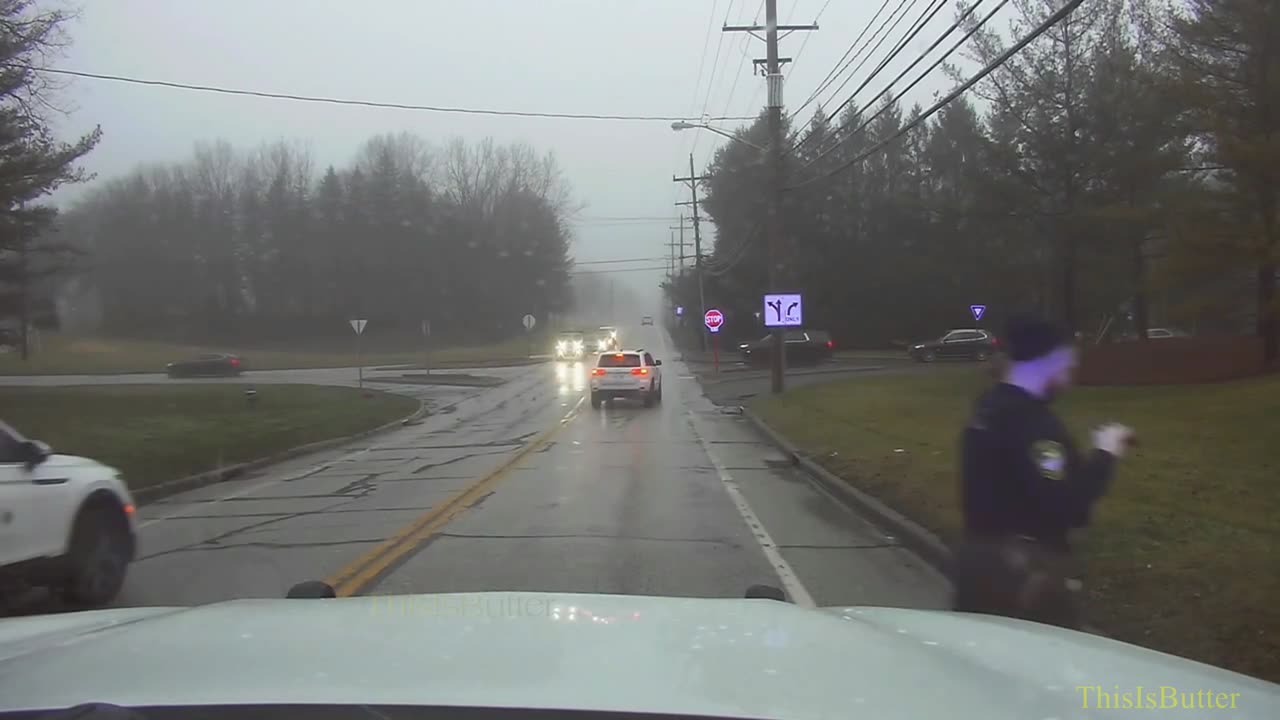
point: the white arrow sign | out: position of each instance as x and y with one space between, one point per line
528 321
358 326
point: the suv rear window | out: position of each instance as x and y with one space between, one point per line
619 360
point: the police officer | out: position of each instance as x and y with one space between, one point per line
1024 485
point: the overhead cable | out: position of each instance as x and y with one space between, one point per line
991 67
366 103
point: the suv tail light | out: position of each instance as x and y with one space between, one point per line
831 344
640 371
597 371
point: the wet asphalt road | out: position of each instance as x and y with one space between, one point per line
525 487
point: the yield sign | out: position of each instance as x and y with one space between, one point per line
978 311
358 326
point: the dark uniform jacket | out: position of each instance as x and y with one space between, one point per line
1024 487
1021 474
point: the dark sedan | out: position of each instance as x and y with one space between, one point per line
212 365
956 345
803 347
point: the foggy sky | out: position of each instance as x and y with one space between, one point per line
582 56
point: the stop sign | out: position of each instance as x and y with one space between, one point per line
713 319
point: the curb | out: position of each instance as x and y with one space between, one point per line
148 495
909 533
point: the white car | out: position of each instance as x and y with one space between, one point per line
523 655
66 522
626 374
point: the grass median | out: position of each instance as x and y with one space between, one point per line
1184 553
154 433
67 355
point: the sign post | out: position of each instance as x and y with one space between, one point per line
358 326
781 310
714 319
426 346
529 322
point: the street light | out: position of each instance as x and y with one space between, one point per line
682 125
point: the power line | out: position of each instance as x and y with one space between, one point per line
612 262
862 126
706 43
715 63
619 270
706 101
826 81
644 218
1002 59
363 103
804 44
733 88
954 26
911 35
873 50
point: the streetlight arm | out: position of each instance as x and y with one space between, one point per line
680 125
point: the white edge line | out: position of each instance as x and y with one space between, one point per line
790 581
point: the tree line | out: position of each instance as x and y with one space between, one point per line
256 244
1121 171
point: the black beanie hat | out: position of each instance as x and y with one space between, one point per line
1030 337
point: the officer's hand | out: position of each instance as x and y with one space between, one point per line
1114 438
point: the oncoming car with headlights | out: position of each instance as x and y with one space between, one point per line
570 346
607 339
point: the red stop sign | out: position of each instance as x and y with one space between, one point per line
713 319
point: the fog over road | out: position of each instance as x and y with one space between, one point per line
525 487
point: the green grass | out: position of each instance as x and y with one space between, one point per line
65 355
1183 554
154 433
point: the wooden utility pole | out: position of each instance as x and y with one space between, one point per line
693 181
773 77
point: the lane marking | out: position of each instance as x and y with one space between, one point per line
359 574
790 581
179 514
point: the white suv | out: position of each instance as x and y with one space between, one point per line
66 522
626 373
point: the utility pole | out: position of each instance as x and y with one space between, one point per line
693 181
682 244
774 228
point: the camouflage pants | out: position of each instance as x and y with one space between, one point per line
1016 578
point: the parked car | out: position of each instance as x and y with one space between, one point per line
803 347
1155 334
962 344
66 522
211 365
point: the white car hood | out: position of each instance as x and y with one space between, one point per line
742 658
74 462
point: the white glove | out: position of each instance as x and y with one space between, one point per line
1113 438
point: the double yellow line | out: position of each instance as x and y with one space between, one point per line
364 570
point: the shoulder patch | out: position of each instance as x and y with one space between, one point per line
1050 458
